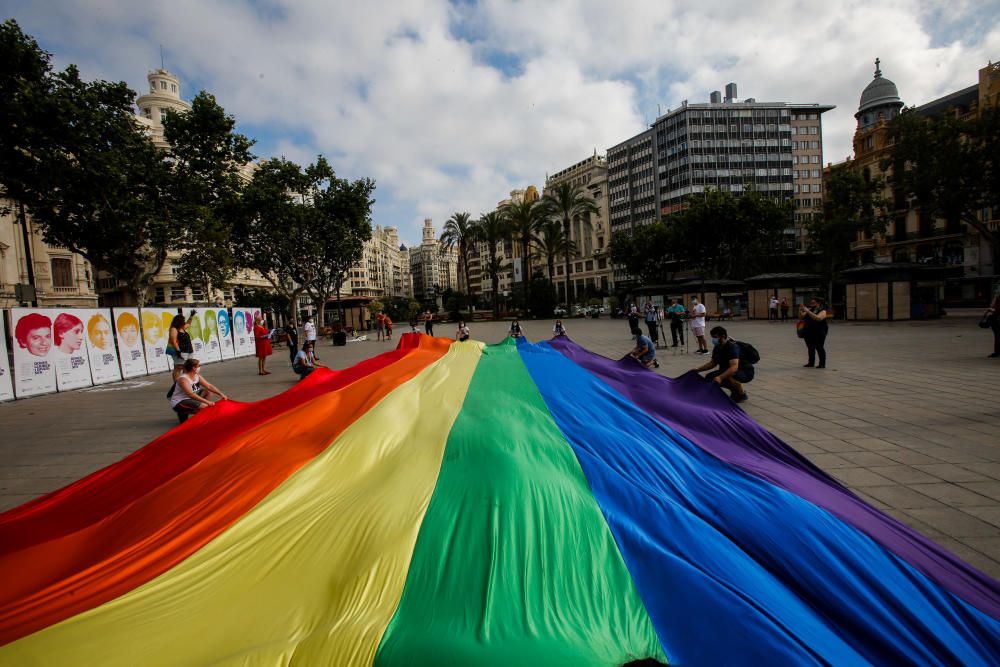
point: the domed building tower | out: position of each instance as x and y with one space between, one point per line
164 94
879 104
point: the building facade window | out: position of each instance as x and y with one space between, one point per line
62 272
163 85
159 295
173 87
177 294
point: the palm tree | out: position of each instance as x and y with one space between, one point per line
524 218
458 231
491 230
566 202
552 242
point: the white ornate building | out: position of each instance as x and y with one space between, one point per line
434 268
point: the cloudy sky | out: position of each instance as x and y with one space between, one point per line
450 105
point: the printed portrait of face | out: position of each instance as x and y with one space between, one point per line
223 318
239 322
211 329
249 322
194 327
68 333
152 327
167 317
33 332
128 329
99 332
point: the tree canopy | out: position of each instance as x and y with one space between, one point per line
491 230
566 202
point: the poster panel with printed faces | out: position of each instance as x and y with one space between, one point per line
194 330
225 333
34 360
69 351
104 366
242 340
211 349
6 385
130 344
155 330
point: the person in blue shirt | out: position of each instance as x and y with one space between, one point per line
305 363
645 352
676 314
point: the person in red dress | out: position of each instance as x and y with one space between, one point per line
262 338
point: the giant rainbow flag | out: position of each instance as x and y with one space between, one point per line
468 504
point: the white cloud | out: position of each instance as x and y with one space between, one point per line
405 91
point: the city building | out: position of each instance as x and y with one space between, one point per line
775 148
383 272
433 267
166 290
34 272
931 263
590 266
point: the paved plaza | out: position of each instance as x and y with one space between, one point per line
906 415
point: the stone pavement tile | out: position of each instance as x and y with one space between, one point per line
18 486
952 495
873 444
988 468
835 445
867 459
984 545
990 514
860 477
901 497
953 522
902 474
970 555
951 454
990 488
871 500
828 462
908 456
950 472
916 524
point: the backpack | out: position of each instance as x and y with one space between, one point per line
748 353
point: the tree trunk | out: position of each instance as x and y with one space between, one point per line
566 223
496 295
526 274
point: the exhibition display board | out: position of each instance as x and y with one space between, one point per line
6 385
34 363
155 327
130 343
225 334
104 366
209 335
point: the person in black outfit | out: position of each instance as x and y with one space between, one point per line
995 325
633 322
732 372
293 341
816 328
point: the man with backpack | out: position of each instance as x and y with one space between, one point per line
735 364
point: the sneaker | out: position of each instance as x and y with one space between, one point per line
742 397
992 356
656 364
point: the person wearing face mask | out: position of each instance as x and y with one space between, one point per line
732 372
698 324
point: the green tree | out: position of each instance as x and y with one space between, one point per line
491 230
339 230
853 205
552 242
645 252
947 166
723 236
525 217
72 154
457 232
543 296
206 157
567 202
272 222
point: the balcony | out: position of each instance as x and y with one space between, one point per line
863 244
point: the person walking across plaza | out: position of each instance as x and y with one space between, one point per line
772 309
292 333
652 320
429 323
191 391
993 314
644 352
698 324
310 332
815 330
676 315
732 372
262 340
783 307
